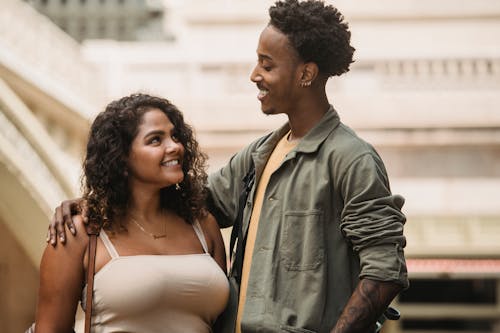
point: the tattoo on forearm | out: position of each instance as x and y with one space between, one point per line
366 304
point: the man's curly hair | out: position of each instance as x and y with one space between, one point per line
105 178
317 32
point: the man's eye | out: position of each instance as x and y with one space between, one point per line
267 68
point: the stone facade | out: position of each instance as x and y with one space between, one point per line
125 20
424 90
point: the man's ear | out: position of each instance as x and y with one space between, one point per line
310 72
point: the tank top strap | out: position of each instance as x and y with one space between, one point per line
201 237
107 243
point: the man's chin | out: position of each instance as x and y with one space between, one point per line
267 111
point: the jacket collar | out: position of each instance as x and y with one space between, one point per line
311 141
315 137
308 144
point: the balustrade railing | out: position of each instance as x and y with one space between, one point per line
447 73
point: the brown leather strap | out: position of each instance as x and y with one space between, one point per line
90 280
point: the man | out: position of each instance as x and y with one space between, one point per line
324 234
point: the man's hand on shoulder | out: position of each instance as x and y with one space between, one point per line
63 216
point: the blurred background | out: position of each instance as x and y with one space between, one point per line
425 90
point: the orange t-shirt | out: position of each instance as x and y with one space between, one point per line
282 148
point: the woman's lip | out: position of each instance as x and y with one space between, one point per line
168 163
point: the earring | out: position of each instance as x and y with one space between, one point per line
177 187
304 84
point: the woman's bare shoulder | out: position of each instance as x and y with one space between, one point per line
211 227
209 223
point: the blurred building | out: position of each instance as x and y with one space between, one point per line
48 94
124 20
425 90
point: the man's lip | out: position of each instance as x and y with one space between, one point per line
261 87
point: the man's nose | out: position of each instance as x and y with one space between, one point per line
255 75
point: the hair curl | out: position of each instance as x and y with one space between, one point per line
317 32
105 180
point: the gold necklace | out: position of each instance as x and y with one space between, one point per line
155 237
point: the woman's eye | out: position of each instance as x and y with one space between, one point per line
175 137
155 140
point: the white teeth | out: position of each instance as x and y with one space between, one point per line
170 163
263 93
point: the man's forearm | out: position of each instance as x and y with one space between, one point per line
366 305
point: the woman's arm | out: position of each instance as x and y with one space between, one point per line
61 281
214 238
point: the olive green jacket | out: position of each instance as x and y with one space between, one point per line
327 220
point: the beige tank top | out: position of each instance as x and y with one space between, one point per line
158 293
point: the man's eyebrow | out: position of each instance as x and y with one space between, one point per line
264 56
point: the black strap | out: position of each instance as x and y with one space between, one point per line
237 232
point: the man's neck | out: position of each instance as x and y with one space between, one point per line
306 116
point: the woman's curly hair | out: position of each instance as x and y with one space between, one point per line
317 32
105 181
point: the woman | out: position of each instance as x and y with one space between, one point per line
160 260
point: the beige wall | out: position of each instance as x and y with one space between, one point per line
18 284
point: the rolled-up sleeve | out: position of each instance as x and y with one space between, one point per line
372 220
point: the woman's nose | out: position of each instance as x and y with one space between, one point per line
173 146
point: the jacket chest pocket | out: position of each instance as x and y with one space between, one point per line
303 240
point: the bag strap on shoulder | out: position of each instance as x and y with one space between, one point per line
237 232
93 232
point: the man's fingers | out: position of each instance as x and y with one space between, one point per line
52 236
51 233
59 225
67 208
84 211
63 216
